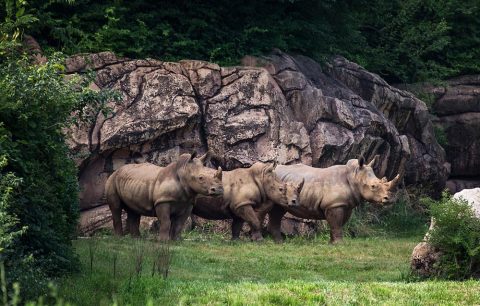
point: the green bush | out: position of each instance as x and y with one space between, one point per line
38 180
457 235
402 40
9 231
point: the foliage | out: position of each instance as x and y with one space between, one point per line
405 217
38 186
15 20
298 272
440 135
457 235
14 298
197 30
416 40
403 41
9 231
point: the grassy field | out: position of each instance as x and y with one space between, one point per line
213 270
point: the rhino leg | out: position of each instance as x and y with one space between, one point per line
247 213
274 223
237 225
117 221
115 205
336 217
262 212
163 214
133 223
178 222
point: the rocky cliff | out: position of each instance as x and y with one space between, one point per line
456 105
282 107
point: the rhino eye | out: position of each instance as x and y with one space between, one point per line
373 186
281 189
201 178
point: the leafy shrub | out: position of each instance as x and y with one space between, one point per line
402 40
457 235
9 231
38 185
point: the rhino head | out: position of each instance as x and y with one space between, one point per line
275 189
370 187
293 192
195 176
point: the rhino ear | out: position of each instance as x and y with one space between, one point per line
270 167
361 161
300 185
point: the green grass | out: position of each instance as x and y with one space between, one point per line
215 271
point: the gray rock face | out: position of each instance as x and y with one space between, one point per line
457 105
341 124
290 111
408 114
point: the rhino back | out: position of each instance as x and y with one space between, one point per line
310 200
295 173
243 187
324 188
134 184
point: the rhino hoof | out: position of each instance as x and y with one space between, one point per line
257 237
335 242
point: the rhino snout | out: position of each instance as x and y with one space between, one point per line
216 191
293 202
388 199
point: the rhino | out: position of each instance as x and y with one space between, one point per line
249 193
331 193
166 192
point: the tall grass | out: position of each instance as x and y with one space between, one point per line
404 218
297 272
162 259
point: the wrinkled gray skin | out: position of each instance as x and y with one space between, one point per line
166 192
249 194
331 194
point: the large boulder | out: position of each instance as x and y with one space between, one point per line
284 108
456 104
472 196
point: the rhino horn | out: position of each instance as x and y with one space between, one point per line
372 162
204 157
394 182
218 173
